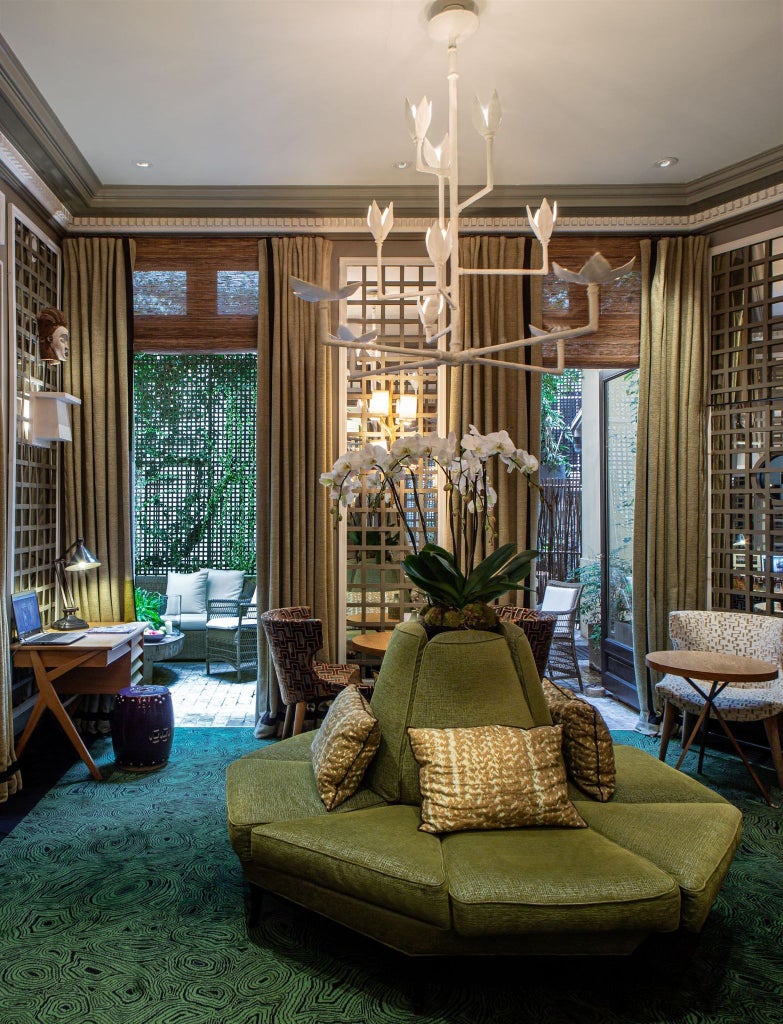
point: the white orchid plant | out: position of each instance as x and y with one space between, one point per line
448 585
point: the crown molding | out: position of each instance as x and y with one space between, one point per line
38 154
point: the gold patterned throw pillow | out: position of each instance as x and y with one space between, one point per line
344 746
492 776
587 743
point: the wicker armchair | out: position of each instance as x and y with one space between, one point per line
562 600
294 637
232 635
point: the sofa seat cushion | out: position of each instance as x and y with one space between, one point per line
276 790
377 855
642 779
192 621
694 843
295 748
554 880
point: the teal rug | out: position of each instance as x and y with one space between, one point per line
123 903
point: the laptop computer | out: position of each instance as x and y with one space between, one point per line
27 616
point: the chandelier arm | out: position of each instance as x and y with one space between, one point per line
508 271
403 367
527 367
490 179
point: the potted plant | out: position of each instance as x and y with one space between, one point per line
456 588
619 600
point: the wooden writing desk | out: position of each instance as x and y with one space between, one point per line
98 663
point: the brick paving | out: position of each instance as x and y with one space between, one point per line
218 700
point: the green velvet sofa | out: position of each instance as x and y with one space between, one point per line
652 859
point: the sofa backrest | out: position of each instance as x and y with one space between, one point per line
457 679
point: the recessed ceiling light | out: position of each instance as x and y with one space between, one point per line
400 165
142 163
667 161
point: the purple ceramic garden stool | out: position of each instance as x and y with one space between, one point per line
142 728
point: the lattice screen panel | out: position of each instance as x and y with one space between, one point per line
377 590
36 275
746 428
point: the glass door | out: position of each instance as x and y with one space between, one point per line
619 410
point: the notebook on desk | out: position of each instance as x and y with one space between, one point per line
27 616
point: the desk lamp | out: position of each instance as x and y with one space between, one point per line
76 558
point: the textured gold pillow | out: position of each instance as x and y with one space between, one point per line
587 743
492 776
344 746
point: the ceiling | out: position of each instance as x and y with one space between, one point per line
236 103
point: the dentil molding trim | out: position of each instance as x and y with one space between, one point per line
30 180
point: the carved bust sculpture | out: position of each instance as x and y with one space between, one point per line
53 336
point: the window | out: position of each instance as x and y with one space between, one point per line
194 462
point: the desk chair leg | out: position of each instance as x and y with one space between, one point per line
669 718
289 720
772 728
299 717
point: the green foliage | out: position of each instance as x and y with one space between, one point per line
619 599
556 435
194 462
434 571
148 606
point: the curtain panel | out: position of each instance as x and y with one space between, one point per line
670 520
494 310
295 531
10 777
97 480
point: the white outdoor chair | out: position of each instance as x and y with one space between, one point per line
562 599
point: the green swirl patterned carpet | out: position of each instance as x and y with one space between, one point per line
123 903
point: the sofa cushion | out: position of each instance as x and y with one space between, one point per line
587 743
377 855
192 622
457 679
554 880
344 746
224 584
692 842
492 777
259 791
192 588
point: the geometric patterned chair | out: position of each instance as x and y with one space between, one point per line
756 636
294 637
538 627
562 599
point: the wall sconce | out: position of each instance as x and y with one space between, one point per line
407 407
50 417
76 558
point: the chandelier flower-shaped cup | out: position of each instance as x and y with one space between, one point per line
437 157
542 223
438 242
418 117
487 120
449 580
380 224
597 270
429 308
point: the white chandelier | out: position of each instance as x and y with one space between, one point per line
438 307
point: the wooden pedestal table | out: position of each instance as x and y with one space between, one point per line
373 644
97 663
161 650
715 671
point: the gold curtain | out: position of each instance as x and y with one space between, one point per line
97 495
497 309
670 520
295 550
10 777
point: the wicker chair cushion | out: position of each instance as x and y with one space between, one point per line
492 777
192 588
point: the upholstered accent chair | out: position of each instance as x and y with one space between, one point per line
538 627
294 638
232 634
562 599
755 636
